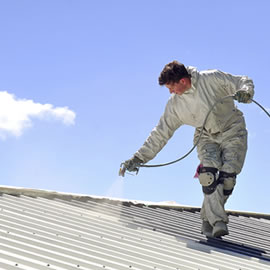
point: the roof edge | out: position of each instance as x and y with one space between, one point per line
49 194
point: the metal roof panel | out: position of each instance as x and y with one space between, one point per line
49 230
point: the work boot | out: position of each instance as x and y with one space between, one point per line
206 228
220 229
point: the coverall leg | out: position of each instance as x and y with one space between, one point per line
226 152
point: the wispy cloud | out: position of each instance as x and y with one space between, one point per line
17 114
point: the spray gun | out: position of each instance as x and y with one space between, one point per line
123 169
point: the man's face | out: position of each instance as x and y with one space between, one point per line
179 87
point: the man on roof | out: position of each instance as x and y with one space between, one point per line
223 144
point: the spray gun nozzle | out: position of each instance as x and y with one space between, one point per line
122 170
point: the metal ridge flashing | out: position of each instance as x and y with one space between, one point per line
49 194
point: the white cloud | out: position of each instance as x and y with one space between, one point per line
16 114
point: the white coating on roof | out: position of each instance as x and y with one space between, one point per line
50 230
63 195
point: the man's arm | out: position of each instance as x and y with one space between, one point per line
160 135
241 86
157 139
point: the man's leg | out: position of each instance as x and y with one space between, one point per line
213 213
212 210
232 152
234 148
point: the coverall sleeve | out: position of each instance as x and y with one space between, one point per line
237 82
160 135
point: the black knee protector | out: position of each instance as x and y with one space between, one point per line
208 179
228 180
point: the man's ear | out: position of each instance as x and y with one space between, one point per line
182 81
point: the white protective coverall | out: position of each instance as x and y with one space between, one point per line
223 144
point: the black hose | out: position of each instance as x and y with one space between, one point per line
204 123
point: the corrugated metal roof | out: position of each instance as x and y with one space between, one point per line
49 230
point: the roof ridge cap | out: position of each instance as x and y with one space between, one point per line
49 194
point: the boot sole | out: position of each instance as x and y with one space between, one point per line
220 233
207 234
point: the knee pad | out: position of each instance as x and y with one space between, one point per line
229 181
208 179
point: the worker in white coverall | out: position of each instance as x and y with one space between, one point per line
223 145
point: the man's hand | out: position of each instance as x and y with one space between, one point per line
132 164
242 96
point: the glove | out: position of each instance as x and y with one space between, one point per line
242 96
132 164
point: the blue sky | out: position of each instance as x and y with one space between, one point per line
79 93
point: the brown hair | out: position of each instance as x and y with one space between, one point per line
172 73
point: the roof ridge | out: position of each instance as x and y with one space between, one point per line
49 194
